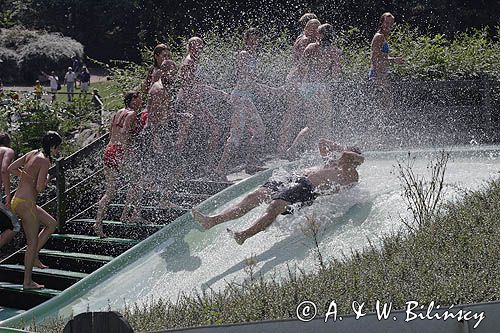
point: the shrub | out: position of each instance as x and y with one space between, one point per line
47 53
25 53
17 37
37 117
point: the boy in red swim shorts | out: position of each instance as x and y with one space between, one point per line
122 128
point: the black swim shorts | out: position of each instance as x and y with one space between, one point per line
301 191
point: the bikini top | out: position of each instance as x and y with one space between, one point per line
385 47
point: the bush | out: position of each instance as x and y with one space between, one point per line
47 53
467 55
17 37
29 52
37 117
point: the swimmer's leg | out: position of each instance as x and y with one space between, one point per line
247 204
31 228
134 196
109 193
257 130
276 207
6 237
232 143
50 225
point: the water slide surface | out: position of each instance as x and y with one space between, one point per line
182 257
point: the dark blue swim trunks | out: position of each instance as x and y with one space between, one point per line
300 191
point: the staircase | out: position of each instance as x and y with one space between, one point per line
74 251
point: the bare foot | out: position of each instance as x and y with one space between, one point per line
238 237
203 220
32 285
39 264
98 230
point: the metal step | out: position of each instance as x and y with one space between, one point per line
89 244
52 278
154 215
13 296
112 229
69 261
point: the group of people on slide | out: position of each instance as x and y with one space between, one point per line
144 148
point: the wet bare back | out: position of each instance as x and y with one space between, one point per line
121 126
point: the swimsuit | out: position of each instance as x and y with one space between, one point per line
301 191
113 155
15 202
385 49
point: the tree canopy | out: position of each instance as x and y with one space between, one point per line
114 29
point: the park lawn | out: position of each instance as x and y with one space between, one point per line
109 91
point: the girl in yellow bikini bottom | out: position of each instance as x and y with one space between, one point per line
15 202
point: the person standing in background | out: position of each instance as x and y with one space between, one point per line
379 74
38 89
54 84
84 80
69 80
380 59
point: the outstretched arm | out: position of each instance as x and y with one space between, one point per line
326 147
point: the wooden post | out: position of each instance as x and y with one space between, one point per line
60 192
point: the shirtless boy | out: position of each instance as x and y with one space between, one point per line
320 66
335 173
205 134
121 129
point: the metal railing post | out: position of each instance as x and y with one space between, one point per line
60 192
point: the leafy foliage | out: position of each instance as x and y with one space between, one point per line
8 64
26 52
30 118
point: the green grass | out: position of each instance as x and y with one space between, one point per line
109 90
451 259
